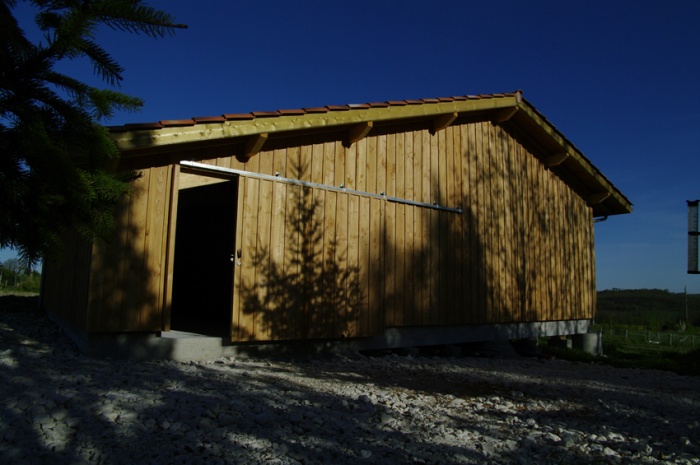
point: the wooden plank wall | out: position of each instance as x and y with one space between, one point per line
65 282
323 264
522 250
306 258
128 272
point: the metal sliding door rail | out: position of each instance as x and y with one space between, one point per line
211 169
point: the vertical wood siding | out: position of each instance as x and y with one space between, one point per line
323 264
65 282
521 250
127 276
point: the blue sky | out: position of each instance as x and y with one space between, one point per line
619 78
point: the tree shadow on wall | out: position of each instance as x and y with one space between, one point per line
112 284
434 267
307 292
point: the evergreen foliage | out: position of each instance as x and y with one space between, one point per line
55 156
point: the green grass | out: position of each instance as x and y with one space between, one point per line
12 291
630 319
682 362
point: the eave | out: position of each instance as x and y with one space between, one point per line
354 122
164 133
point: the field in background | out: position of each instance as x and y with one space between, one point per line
646 328
647 309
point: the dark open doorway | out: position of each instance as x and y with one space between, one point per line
203 268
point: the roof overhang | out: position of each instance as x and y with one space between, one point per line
251 131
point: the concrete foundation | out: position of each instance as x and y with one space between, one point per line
591 343
182 346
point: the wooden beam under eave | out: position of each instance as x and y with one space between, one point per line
555 159
253 147
443 121
358 132
504 115
598 197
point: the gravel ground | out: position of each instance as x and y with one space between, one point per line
60 407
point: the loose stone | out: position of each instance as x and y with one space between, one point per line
60 407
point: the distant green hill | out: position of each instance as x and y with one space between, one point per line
655 309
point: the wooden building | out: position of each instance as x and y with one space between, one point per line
395 223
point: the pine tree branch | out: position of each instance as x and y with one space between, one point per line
53 152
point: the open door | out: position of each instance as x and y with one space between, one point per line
203 263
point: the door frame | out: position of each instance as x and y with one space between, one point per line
181 180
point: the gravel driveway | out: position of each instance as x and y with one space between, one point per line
62 408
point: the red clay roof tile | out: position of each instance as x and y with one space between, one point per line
238 116
209 119
291 112
154 125
177 122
